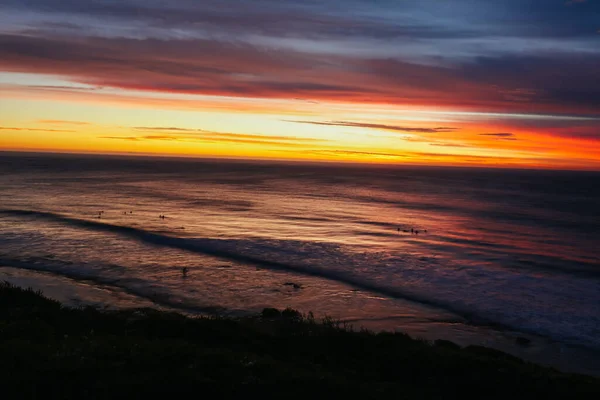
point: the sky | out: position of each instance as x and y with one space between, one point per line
504 83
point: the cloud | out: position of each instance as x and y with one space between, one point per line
61 122
63 88
353 152
129 138
211 134
425 157
35 129
261 17
166 128
415 22
524 58
277 143
501 134
530 83
146 137
204 136
462 156
160 137
384 127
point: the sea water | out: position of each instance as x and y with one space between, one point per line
465 254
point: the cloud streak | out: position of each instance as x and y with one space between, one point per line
200 135
4 128
359 153
500 135
211 67
383 127
204 133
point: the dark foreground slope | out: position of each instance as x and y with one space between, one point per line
48 351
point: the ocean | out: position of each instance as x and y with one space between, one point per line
493 254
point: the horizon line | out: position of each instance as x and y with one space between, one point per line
192 157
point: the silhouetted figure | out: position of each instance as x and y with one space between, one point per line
425 231
294 285
416 232
412 230
184 271
398 229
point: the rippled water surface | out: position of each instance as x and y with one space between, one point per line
517 250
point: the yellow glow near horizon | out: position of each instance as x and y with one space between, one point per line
60 119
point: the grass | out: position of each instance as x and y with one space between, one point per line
50 351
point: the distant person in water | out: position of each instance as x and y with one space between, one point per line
184 271
412 230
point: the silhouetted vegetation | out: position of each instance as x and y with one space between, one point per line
49 351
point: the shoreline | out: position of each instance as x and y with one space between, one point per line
54 351
537 349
